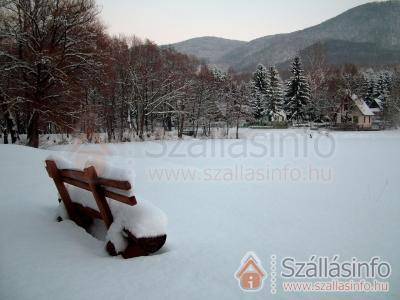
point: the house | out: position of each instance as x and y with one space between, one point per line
250 275
279 116
353 111
377 108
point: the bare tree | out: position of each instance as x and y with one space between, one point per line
47 47
317 75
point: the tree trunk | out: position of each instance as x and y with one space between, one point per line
121 124
196 130
11 126
141 125
5 136
169 122
237 129
180 128
33 130
146 122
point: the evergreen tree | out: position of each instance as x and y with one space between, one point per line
369 87
298 93
218 74
383 87
274 93
259 86
370 92
376 86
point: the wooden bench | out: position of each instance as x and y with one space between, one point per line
99 187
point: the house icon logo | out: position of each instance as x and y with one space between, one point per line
250 274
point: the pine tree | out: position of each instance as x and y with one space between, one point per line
369 87
274 93
298 93
376 87
259 85
383 87
218 74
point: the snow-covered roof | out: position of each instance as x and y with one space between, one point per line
379 102
280 113
362 106
376 110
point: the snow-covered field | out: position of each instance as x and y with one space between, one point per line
339 194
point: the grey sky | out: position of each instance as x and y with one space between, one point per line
169 21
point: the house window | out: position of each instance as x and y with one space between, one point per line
355 119
365 119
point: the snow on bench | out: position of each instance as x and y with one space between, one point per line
98 190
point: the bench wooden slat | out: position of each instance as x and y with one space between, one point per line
88 211
117 197
121 198
73 174
79 175
121 185
77 183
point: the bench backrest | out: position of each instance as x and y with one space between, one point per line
88 180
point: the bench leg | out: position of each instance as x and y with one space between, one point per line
54 173
134 250
138 247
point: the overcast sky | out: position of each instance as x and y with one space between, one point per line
170 21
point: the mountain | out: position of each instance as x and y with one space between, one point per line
376 23
208 48
338 52
372 30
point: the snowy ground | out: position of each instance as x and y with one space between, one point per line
213 220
